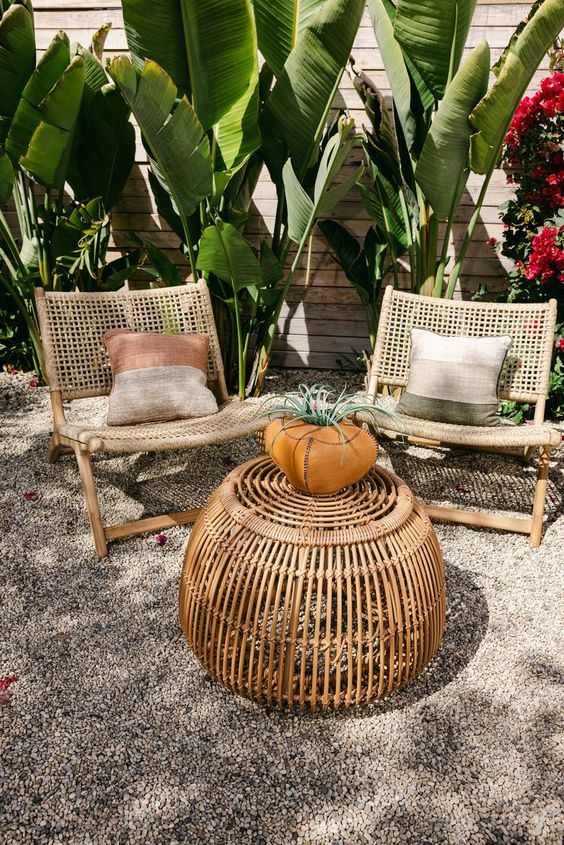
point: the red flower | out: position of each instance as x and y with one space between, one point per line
31 496
559 343
161 539
492 242
546 259
5 684
33 383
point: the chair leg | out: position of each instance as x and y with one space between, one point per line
56 449
91 499
540 497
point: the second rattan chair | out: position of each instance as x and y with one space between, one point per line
524 378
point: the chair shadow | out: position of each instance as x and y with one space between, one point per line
475 479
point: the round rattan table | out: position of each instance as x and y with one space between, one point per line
312 601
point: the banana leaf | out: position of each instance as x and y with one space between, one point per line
279 24
432 33
299 103
443 167
172 131
492 116
304 210
6 177
104 151
226 253
395 66
41 134
17 59
210 52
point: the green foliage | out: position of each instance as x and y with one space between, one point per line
445 122
62 125
198 66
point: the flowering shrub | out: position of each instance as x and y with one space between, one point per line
533 158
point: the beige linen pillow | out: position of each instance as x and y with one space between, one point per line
454 379
157 377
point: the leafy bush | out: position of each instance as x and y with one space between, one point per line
534 219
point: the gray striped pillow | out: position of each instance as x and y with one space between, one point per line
454 379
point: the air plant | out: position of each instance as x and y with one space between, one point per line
317 405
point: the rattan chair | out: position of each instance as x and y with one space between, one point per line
72 333
524 378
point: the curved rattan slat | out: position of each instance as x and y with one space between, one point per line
286 604
497 437
234 419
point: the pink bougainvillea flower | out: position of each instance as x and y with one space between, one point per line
31 496
12 371
228 461
33 383
5 684
161 539
492 242
559 343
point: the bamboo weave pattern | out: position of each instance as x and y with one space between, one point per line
312 601
531 327
73 327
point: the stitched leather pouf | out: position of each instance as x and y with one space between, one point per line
312 601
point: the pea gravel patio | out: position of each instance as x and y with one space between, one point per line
114 734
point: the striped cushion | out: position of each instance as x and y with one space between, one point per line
454 379
157 377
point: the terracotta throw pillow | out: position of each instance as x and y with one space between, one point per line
157 377
454 379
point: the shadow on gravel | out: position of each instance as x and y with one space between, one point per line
476 480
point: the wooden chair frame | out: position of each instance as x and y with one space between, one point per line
524 378
72 333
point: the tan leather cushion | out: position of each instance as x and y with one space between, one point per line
157 377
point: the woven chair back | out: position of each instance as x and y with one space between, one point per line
73 326
525 374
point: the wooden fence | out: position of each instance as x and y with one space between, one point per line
324 320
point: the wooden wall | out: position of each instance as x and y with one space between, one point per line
321 322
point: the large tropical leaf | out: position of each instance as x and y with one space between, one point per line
41 134
105 143
6 177
17 59
493 114
210 51
433 34
383 204
395 66
171 129
226 253
159 34
279 23
304 210
443 167
302 97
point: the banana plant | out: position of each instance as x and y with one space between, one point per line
64 127
211 121
445 123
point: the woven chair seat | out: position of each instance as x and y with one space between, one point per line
498 437
234 419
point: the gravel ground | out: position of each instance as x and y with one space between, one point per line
114 735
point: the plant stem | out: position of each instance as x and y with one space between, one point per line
469 233
409 235
11 244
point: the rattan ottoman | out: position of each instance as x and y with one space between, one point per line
312 601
